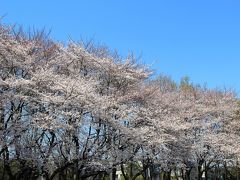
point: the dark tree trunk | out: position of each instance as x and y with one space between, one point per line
238 171
123 172
206 170
187 175
199 175
113 174
167 175
200 172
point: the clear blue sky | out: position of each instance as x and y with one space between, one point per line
198 38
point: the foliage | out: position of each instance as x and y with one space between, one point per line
71 112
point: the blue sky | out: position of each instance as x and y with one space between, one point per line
198 38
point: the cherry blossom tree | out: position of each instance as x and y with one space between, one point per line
80 111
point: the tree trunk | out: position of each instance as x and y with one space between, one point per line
131 171
167 175
187 175
113 174
206 170
238 171
176 174
124 174
200 172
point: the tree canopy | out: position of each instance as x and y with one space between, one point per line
78 110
